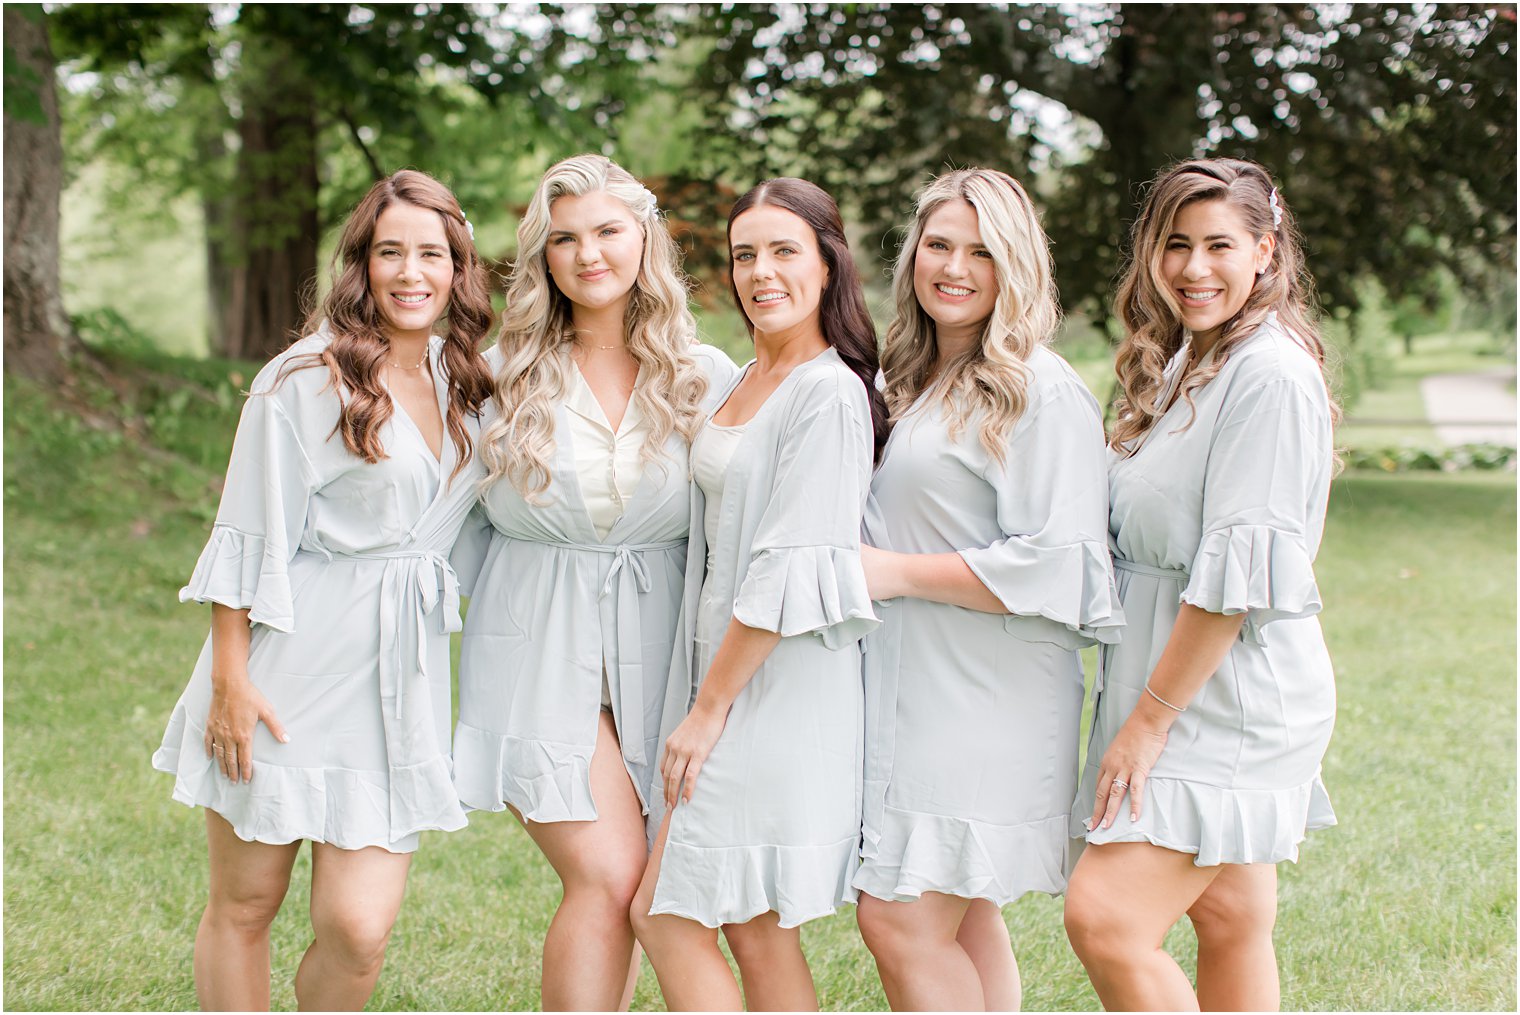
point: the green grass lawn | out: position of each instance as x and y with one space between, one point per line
1409 904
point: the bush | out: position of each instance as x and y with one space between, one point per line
1409 459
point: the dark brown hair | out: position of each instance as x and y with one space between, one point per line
847 325
358 346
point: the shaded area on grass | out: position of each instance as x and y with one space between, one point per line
1410 903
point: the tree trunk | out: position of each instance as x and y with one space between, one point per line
273 230
37 330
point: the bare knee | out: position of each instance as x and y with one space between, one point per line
612 881
882 928
353 937
245 909
1234 911
1093 924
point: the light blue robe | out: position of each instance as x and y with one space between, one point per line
343 566
1227 515
774 822
551 608
972 717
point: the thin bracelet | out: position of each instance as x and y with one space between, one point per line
1163 701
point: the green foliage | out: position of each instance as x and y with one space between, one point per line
1403 458
23 85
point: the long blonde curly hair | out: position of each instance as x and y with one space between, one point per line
536 332
1152 317
993 376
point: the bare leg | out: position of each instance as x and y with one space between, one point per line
1234 917
693 974
923 967
248 883
1122 899
984 936
634 968
771 964
355 896
590 962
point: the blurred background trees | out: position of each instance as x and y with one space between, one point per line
209 148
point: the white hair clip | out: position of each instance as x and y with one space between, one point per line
1276 208
654 204
469 226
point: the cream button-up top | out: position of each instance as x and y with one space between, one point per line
607 462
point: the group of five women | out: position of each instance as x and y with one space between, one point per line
747 644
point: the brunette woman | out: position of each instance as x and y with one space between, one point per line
1214 713
763 774
333 599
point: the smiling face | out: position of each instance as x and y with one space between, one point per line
954 277
411 271
1209 264
778 268
594 250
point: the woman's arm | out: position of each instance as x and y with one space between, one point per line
1194 651
236 705
937 577
739 657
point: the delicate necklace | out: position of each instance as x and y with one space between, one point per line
415 366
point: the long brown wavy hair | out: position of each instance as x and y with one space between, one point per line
358 347
992 377
536 333
1153 330
847 325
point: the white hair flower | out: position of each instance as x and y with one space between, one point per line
1276 208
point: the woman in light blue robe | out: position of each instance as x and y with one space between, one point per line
1214 714
574 585
986 533
319 707
764 712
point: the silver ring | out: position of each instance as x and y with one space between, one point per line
1121 784
217 748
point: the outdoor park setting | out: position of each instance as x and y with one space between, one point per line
173 177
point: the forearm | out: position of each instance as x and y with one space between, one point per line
1197 646
943 578
739 657
230 638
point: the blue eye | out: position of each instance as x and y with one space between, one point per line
744 256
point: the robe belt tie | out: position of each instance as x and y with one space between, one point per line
627 577
1150 571
413 583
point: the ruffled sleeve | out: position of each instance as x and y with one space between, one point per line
1052 570
270 479
1264 496
804 573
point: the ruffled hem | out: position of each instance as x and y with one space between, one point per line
802 589
347 808
1069 586
237 570
1218 825
1253 569
734 884
545 781
914 852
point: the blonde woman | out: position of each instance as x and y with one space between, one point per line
600 385
986 540
1214 713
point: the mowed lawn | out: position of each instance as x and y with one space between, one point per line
1408 904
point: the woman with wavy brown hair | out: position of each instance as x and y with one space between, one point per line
1214 712
574 568
332 601
987 540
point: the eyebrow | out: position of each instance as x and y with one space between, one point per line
1206 239
594 229
773 243
398 243
946 239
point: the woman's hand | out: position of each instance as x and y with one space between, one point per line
883 570
236 708
686 750
1125 766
